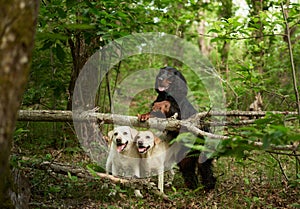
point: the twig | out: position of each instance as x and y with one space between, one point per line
278 147
230 123
241 38
236 113
225 191
291 57
283 153
297 159
281 168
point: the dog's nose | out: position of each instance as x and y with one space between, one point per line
140 143
118 140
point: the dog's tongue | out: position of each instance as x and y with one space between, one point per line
121 147
142 149
161 88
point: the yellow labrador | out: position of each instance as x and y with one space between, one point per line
153 153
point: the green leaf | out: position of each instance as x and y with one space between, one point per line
214 30
62 14
71 3
60 53
103 21
80 26
50 35
54 189
92 171
216 39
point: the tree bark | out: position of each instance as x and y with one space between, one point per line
294 76
17 29
192 124
225 12
66 116
203 46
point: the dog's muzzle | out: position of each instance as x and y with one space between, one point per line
141 148
121 146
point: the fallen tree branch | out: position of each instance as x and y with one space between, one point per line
237 113
67 116
156 123
45 115
294 147
134 183
229 123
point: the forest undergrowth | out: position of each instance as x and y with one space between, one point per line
257 181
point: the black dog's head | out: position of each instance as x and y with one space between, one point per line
171 81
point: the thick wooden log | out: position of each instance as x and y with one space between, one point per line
157 123
45 115
66 116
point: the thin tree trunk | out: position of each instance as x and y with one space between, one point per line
288 36
257 8
225 12
17 29
203 46
77 65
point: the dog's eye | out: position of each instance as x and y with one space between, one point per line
147 137
116 133
125 133
137 137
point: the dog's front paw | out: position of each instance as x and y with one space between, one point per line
175 116
112 193
143 117
138 193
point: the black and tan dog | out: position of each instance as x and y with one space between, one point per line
171 87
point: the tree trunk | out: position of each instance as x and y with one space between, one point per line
17 29
225 12
203 46
258 6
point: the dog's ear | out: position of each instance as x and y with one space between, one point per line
134 132
110 134
157 140
107 139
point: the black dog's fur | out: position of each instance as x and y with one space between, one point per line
171 86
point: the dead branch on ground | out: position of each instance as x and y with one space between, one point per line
134 183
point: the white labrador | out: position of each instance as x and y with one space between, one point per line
123 158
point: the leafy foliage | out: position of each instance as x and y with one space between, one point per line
246 42
272 130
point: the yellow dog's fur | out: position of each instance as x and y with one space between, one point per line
153 153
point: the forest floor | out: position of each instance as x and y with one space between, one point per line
262 180
255 182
